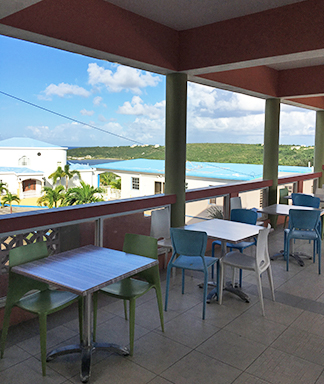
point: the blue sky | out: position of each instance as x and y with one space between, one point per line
124 101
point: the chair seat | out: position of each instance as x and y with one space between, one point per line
193 262
239 260
241 244
300 234
46 301
128 288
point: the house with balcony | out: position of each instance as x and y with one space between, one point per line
25 165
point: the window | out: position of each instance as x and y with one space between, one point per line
23 161
135 183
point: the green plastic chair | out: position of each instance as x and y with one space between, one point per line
43 302
130 289
283 192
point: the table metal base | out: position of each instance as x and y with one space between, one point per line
86 354
295 255
212 295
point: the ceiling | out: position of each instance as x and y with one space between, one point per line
186 14
264 48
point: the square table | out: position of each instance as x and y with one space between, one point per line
283 209
225 230
83 271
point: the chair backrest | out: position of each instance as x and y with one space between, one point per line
302 199
247 216
262 251
283 192
160 223
20 285
188 243
143 246
300 219
236 202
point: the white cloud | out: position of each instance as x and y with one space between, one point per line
208 100
63 90
124 78
84 112
138 108
102 118
297 123
98 101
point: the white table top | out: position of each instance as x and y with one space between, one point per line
283 209
85 270
225 229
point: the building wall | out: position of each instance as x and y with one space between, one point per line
38 159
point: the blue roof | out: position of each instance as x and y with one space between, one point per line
79 166
226 171
26 142
18 170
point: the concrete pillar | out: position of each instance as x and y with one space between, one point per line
271 148
175 144
319 145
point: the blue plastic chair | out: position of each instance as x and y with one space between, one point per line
304 200
189 253
304 225
241 215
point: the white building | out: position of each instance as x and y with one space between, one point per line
25 165
140 177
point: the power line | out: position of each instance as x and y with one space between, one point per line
69 118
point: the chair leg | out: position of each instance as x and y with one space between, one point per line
221 282
205 294
259 285
125 309
158 292
42 332
319 255
5 327
167 287
269 271
183 280
131 325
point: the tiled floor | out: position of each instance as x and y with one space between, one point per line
235 344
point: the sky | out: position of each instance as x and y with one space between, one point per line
82 101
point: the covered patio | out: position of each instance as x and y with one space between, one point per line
269 49
234 345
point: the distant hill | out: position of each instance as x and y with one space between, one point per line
213 152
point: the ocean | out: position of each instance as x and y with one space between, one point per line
92 161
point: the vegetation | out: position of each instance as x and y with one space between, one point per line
66 172
110 179
83 195
9 198
213 152
52 197
3 187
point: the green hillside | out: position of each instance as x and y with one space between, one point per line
219 152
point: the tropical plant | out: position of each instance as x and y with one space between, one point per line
9 198
52 196
66 172
109 178
58 174
215 212
83 194
3 187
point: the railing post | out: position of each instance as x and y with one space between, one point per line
99 232
226 206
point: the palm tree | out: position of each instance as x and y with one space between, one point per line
110 179
8 198
52 197
83 195
58 174
3 187
68 174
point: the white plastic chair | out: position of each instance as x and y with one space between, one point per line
259 264
236 202
160 229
